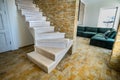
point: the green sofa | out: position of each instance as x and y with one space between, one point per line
89 32
99 36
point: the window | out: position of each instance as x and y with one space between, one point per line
81 12
107 17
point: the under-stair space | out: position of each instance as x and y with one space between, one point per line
50 46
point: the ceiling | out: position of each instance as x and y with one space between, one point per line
96 1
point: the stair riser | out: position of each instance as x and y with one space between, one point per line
42 30
25 12
32 15
29 11
42 24
25 2
28 8
44 53
52 44
35 19
33 5
49 36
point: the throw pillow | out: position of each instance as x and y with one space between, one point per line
106 34
112 34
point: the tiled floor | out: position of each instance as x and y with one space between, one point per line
88 63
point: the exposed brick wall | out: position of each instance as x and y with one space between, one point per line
61 13
115 57
63 16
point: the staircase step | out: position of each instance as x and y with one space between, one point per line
52 35
43 29
27 7
33 5
45 63
24 2
39 23
22 6
55 43
35 18
30 9
49 52
36 30
31 13
23 11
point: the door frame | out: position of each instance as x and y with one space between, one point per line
8 25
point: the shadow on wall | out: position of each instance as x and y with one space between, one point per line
25 37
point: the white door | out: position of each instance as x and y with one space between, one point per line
4 29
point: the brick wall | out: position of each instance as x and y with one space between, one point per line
115 57
63 15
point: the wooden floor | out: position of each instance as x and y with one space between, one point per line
88 63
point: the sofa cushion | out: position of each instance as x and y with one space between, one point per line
102 30
112 34
99 40
106 34
81 28
88 34
90 29
98 36
79 33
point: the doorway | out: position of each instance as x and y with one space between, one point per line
5 41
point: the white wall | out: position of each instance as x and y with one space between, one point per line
19 32
92 11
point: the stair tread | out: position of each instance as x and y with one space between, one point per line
35 16
38 21
40 58
52 50
26 1
23 4
54 40
52 33
29 10
42 27
25 7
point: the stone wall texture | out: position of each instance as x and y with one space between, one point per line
115 57
61 13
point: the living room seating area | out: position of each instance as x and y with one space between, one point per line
102 37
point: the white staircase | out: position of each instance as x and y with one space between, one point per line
50 46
